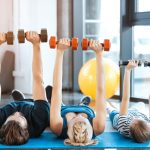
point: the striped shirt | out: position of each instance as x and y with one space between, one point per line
122 123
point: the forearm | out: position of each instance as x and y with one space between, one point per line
100 84
57 75
126 93
37 71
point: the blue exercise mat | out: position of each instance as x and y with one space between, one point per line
106 140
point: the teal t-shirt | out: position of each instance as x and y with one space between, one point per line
76 109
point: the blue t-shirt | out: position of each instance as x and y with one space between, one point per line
36 113
76 109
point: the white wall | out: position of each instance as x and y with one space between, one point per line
31 15
6 22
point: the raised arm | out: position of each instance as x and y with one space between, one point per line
99 120
56 121
126 87
38 91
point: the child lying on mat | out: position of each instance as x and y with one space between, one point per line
77 124
131 123
20 120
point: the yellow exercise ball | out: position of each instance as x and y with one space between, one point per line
87 78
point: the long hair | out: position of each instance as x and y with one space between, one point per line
80 135
12 133
140 131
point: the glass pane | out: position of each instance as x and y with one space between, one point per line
92 9
143 5
92 28
142 52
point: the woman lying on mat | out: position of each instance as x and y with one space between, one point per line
131 123
77 124
22 119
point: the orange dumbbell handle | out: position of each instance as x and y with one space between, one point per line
105 45
26 34
71 44
85 44
53 42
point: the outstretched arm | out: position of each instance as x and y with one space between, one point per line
126 87
56 121
99 120
38 91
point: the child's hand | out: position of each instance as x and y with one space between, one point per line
96 46
2 38
132 64
63 44
33 37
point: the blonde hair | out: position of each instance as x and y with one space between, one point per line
140 131
80 135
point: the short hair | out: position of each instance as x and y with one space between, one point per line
140 131
12 133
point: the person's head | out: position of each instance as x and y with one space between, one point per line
140 130
80 132
14 130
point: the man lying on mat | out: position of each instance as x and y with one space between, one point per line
131 123
20 120
77 124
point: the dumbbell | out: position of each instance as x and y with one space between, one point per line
124 63
22 35
9 37
85 44
53 42
146 64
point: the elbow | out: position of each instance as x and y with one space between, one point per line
56 95
99 129
37 79
55 128
100 90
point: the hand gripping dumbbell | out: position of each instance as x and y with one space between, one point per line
124 63
9 37
146 64
85 44
22 35
53 42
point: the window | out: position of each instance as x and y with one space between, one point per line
135 44
141 48
127 24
